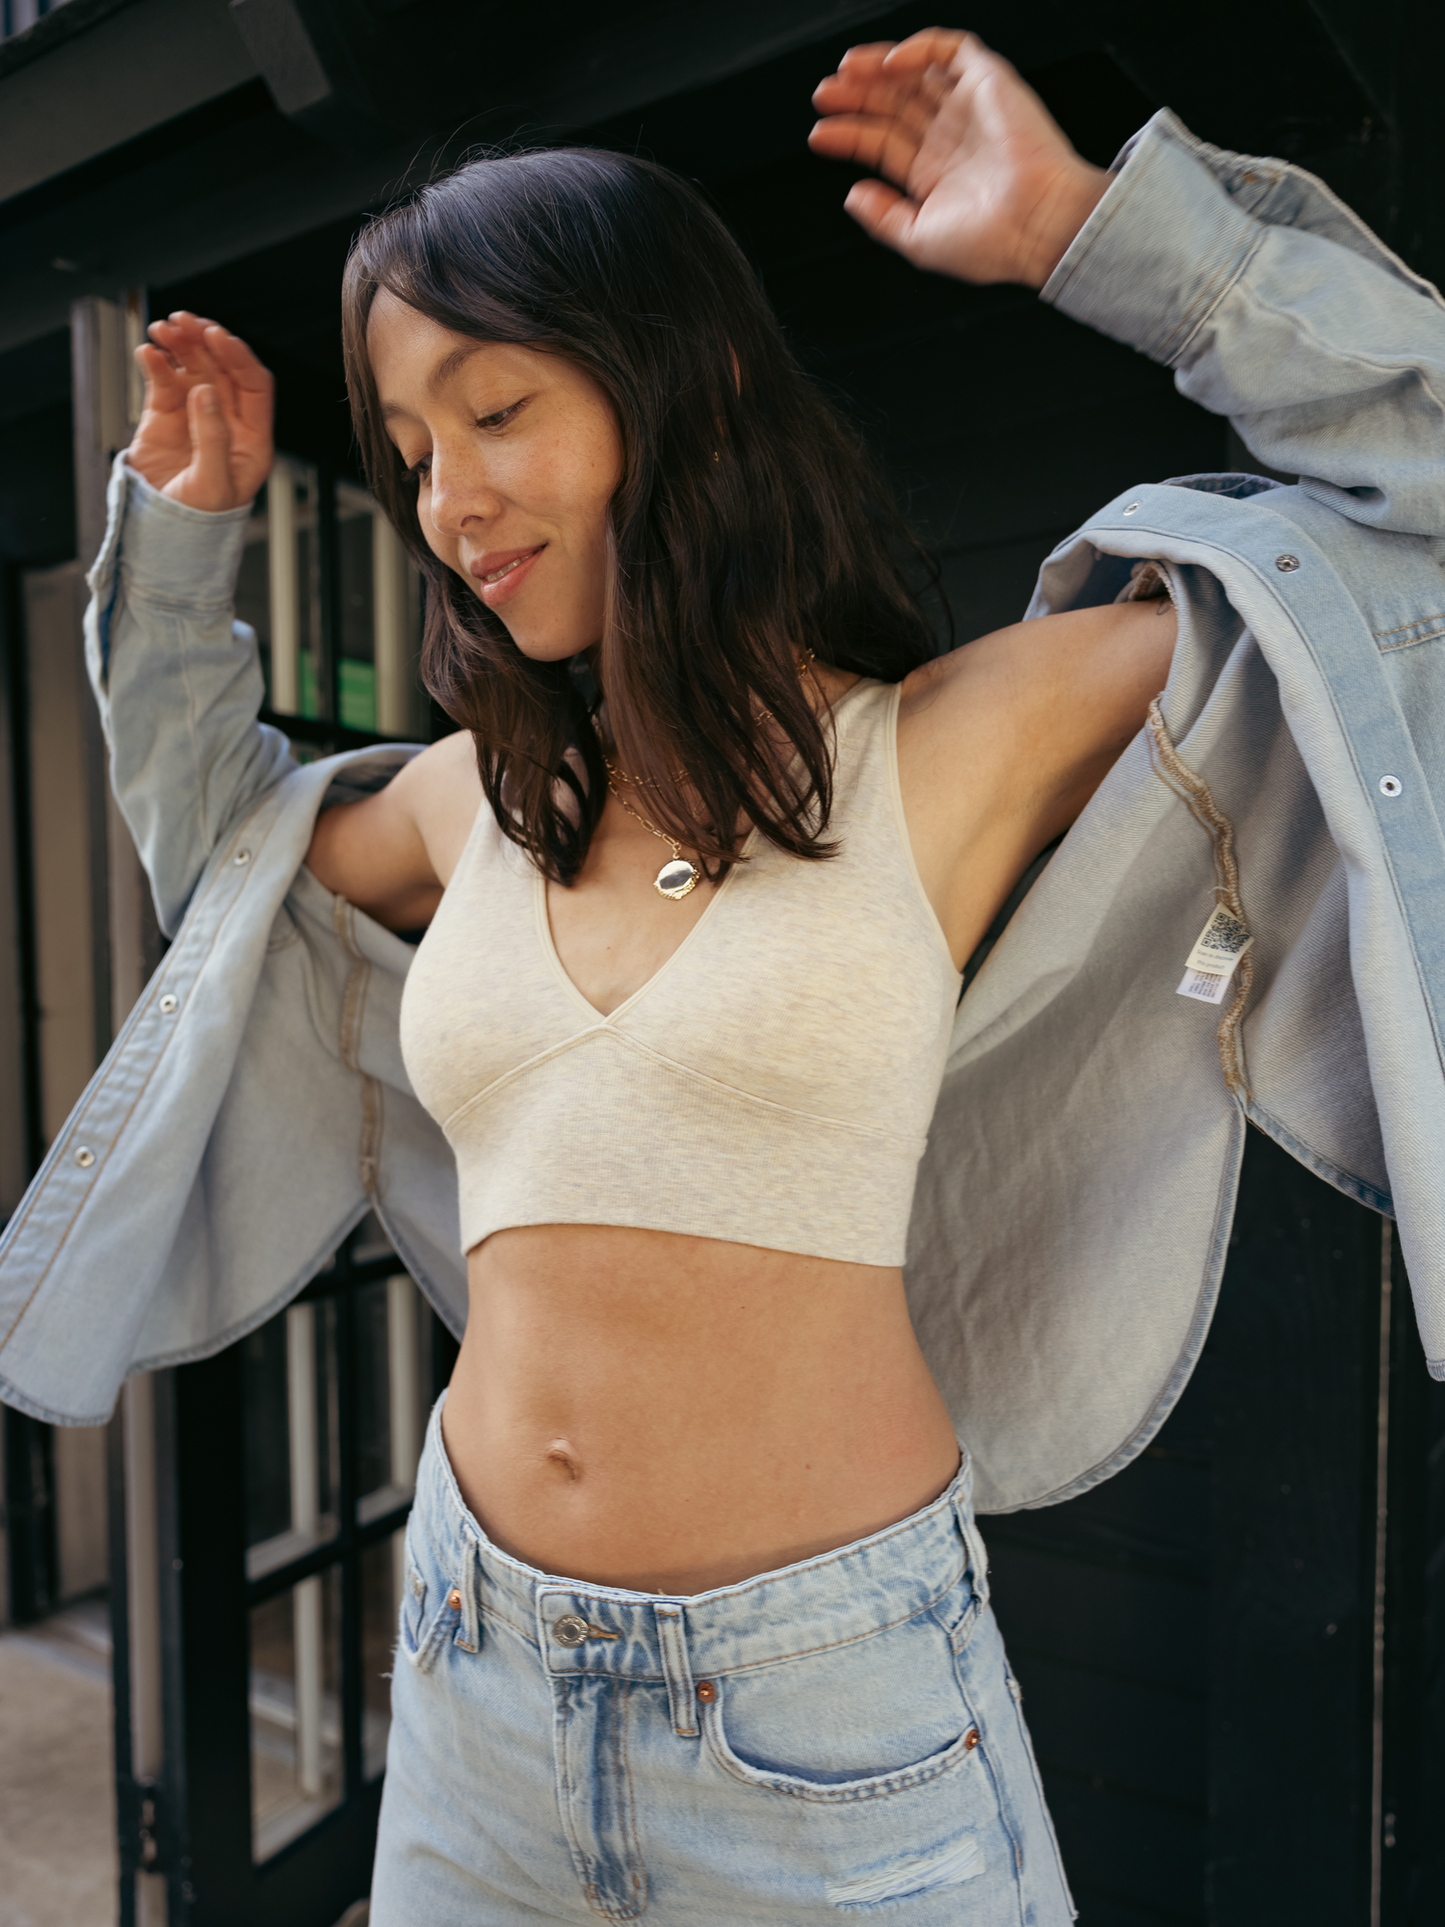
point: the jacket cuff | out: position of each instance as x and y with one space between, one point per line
164 549
1164 245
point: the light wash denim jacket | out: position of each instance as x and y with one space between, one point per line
1075 1200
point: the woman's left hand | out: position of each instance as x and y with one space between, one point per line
985 186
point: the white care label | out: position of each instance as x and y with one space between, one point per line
1204 985
1215 956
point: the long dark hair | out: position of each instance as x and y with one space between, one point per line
750 525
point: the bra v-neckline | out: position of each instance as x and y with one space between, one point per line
559 969
544 921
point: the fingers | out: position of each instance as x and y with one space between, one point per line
239 362
208 481
164 388
197 350
884 145
875 117
250 385
932 47
883 213
876 90
182 341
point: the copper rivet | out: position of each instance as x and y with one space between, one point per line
970 1739
454 1600
706 1691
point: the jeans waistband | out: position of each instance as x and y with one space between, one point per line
827 1601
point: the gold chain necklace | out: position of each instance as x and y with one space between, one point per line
678 877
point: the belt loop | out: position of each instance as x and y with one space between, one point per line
968 1529
681 1696
469 1584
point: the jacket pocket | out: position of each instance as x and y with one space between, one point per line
878 1716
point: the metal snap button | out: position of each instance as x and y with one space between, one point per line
1390 786
168 1003
970 1739
706 1691
241 857
570 1630
1286 564
454 1600
1133 508
84 1156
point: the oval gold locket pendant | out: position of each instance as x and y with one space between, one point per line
676 878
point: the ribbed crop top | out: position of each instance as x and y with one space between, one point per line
772 1084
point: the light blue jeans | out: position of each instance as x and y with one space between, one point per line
840 1737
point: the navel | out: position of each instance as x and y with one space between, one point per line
561 1455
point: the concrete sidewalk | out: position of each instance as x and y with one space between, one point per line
58 1863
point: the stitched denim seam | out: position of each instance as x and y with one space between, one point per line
773 1659
849 1793
1029 1755
1399 630
581 1861
1411 642
635 1865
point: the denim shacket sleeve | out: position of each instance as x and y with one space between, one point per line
1228 269
178 683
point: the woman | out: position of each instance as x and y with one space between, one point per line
697 1618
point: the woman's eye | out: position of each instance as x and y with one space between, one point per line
500 418
419 471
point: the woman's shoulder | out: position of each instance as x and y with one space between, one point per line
444 795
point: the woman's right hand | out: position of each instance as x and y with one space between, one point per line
204 436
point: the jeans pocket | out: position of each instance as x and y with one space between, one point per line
431 1604
875 1717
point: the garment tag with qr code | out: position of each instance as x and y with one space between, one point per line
1216 953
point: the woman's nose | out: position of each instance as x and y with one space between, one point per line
460 495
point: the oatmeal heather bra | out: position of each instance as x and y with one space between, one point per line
799 1031
1072 1206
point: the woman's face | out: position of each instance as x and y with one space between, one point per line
517 455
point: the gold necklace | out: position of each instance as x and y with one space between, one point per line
678 877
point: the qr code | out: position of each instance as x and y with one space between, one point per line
1225 933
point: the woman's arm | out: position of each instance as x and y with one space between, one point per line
176 678
1001 744
179 683
1272 302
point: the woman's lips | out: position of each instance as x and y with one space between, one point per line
500 574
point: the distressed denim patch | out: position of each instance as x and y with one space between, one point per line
907 1879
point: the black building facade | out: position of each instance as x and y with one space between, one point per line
1232 1652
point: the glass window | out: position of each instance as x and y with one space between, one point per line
377 627
393 1378
296 1759
356 664
292 1458
382 1567
279 589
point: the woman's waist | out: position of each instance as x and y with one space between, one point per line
859 1583
644 1408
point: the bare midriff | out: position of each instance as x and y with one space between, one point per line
669 1413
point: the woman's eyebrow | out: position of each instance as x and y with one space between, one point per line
438 378
449 364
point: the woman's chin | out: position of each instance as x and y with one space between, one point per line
549 645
